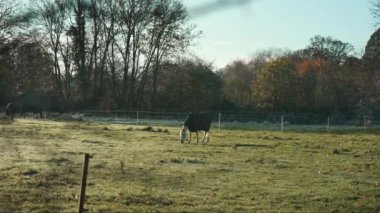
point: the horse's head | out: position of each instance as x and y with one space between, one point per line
182 134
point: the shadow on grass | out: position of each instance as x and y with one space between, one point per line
320 129
246 145
148 200
336 130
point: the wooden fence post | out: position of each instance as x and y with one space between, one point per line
84 182
45 112
220 117
137 117
328 124
282 123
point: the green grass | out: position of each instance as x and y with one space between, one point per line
140 169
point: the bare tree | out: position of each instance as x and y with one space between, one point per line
110 58
132 46
13 17
52 24
118 45
6 17
103 30
78 33
169 33
375 10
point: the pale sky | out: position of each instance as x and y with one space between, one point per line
237 32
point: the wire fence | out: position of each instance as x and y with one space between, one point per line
234 120
246 120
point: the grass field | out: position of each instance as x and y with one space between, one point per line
142 169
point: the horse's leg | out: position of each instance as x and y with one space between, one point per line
189 137
204 136
197 135
208 136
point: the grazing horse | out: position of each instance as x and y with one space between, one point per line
28 108
194 123
22 109
9 112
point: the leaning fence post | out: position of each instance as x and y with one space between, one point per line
220 116
282 123
84 182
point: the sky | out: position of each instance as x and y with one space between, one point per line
238 31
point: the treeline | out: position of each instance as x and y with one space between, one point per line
99 53
323 77
127 54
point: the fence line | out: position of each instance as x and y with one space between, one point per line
252 120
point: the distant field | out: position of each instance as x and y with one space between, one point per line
140 169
